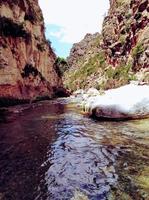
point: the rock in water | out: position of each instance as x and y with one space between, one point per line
127 102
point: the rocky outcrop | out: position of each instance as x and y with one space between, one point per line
27 60
81 51
82 56
122 52
126 34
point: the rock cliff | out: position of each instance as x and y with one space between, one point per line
27 69
82 50
123 49
126 35
83 62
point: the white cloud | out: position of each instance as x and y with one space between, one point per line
75 17
58 34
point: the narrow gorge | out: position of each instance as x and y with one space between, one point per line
74 128
116 56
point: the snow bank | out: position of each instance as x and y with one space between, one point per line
129 101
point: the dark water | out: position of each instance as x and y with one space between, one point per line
51 152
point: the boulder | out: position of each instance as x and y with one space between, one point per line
127 102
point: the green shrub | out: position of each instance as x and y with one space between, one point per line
122 39
118 76
79 77
61 66
128 15
138 50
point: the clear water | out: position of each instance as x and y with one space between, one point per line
51 150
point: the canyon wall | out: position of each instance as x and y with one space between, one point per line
122 50
27 69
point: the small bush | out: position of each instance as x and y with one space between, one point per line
62 66
128 15
122 39
30 17
10 28
118 72
49 42
138 50
79 77
118 76
31 70
41 46
138 15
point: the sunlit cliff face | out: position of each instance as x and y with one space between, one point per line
27 59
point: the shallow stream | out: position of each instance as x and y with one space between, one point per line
53 152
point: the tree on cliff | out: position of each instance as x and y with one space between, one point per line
61 66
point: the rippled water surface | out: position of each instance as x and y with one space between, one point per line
51 152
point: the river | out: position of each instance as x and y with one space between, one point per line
54 152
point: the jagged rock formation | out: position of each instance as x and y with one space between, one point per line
126 34
26 58
82 62
123 46
82 50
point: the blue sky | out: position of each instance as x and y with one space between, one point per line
61 48
68 21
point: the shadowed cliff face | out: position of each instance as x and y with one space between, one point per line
26 58
122 51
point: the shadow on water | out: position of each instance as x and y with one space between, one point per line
51 151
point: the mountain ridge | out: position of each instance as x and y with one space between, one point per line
122 50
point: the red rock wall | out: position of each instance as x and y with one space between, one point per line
26 58
126 33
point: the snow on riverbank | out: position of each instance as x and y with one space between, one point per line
127 102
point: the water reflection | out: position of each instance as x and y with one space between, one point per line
23 149
51 151
77 161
